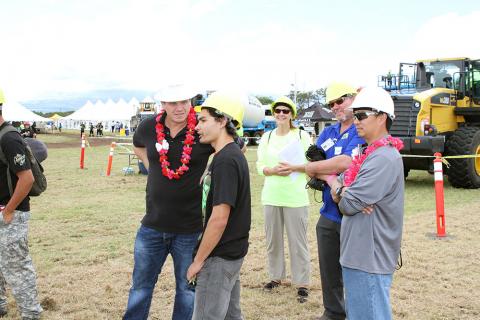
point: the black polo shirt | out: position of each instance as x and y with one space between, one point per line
173 206
14 149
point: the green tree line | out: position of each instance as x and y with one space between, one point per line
49 114
304 98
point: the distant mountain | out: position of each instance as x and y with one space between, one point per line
71 102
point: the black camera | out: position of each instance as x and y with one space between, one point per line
314 153
316 184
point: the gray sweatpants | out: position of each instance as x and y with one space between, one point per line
217 294
16 267
295 221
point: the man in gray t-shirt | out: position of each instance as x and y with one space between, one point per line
370 196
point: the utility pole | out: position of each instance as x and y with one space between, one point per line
294 86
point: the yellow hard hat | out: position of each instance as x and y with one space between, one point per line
2 97
338 89
228 104
286 101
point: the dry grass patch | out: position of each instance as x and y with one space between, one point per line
83 228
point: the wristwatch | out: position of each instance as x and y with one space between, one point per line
338 191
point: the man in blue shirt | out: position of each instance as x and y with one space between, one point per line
339 142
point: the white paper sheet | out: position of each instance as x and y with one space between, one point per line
293 153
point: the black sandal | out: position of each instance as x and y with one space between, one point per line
302 294
272 284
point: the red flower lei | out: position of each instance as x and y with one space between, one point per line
351 173
162 146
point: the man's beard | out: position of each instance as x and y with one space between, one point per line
344 117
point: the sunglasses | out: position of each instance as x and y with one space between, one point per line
284 111
364 115
338 101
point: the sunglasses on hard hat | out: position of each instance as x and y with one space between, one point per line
362 115
284 111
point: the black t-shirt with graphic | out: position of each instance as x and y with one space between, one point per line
230 184
14 149
172 206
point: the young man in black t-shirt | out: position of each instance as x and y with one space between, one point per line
16 267
224 243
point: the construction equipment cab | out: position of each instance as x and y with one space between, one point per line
437 109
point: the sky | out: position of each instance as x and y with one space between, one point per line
56 48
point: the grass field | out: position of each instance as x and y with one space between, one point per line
83 227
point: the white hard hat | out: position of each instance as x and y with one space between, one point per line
174 93
376 99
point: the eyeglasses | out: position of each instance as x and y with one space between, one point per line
363 115
284 111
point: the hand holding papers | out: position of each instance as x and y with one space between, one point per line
293 154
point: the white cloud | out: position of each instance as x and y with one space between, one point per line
448 36
135 46
148 44
204 7
267 58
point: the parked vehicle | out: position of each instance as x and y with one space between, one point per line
258 119
437 109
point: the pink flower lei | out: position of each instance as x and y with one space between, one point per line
351 173
162 146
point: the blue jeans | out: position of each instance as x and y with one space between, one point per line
367 295
151 249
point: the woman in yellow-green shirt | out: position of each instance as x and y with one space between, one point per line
281 159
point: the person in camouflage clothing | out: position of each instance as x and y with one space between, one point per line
16 267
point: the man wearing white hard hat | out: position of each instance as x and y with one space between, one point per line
370 196
338 143
169 147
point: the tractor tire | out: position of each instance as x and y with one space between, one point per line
246 138
257 136
464 173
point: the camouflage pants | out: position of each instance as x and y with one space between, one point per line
16 267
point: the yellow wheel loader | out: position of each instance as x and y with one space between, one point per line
437 109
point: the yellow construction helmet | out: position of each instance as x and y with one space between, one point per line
286 101
338 89
229 105
2 97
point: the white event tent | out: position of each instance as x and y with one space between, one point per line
126 110
83 113
108 113
134 104
14 111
